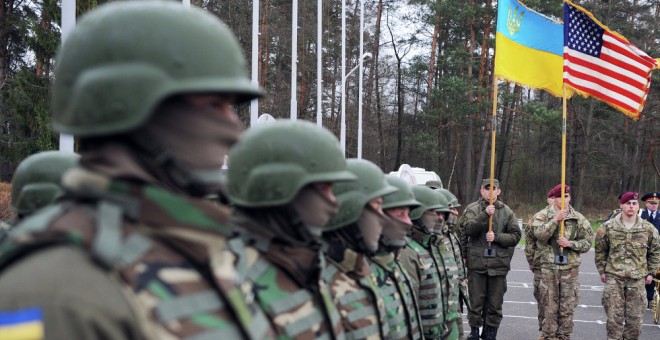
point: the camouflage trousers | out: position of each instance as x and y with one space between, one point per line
624 301
537 296
559 295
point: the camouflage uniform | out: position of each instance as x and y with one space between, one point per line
532 259
403 317
626 256
280 212
133 250
450 270
353 235
400 302
423 271
452 223
487 275
355 293
559 285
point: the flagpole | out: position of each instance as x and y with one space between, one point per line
563 170
493 133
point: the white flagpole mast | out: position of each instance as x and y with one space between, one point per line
294 58
342 134
68 23
254 104
319 61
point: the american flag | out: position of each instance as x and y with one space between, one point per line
603 64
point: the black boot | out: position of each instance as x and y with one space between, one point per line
474 333
491 332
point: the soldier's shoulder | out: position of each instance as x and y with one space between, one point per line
579 216
542 215
602 230
65 281
61 272
649 227
472 206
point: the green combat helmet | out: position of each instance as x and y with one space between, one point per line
36 182
429 199
114 68
402 198
274 161
453 201
354 196
444 203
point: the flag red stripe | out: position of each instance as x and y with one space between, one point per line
650 61
597 68
618 63
600 96
629 53
604 84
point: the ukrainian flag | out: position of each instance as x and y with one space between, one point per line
24 324
529 48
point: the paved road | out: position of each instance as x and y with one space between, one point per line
520 310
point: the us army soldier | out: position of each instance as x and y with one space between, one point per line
627 256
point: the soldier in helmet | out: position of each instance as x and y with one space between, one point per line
135 251
422 262
451 262
452 220
36 182
454 230
353 236
627 257
280 180
391 278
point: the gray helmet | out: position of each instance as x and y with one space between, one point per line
124 58
402 198
274 161
36 182
429 199
453 201
354 196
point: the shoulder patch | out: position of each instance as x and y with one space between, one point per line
22 324
540 216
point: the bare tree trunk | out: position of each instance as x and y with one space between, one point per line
584 147
333 95
399 97
263 43
434 43
473 180
373 80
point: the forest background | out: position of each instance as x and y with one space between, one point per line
427 95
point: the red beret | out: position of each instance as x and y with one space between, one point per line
556 191
627 197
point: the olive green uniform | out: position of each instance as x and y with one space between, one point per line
487 275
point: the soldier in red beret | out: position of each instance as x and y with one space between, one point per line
627 256
557 256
